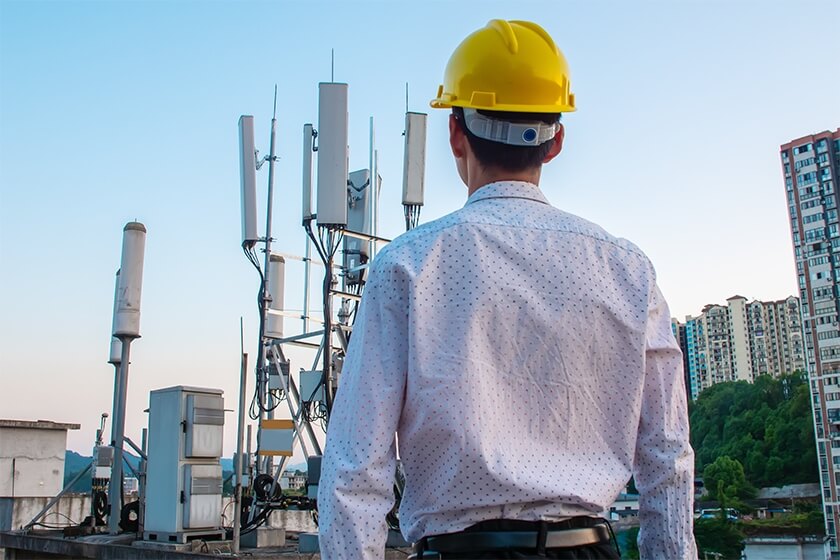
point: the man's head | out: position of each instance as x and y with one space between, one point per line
507 85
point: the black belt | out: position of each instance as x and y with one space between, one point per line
479 541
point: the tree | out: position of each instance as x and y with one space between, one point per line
725 480
721 537
766 425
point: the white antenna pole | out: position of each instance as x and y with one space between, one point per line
372 199
375 192
126 328
262 373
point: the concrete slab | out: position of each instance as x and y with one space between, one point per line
264 537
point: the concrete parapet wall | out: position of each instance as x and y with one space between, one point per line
71 509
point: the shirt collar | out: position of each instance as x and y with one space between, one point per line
508 189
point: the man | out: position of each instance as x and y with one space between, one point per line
523 355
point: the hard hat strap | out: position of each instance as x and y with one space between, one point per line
506 132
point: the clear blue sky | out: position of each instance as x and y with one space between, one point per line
114 111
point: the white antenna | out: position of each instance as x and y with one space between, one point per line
126 328
308 137
414 160
360 190
116 345
248 179
127 318
332 65
332 154
276 287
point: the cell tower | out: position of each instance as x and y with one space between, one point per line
343 231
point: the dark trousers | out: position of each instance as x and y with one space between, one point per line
598 551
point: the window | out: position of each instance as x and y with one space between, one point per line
822 146
785 156
802 149
806 178
814 234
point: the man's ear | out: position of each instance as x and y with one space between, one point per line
557 144
457 138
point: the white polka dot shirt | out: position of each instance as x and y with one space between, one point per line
525 359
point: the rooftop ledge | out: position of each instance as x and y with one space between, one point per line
38 424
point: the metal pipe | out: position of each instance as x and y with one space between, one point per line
237 467
248 435
144 444
115 486
306 282
371 201
262 376
53 501
115 413
136 449
327 368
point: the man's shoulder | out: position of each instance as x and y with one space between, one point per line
581 226
416 242
410 242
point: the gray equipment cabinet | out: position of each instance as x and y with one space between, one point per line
184 472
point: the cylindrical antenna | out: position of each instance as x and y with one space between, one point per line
276 287
116 346
332 65
127 328
406 97
127 319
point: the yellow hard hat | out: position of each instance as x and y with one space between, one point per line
507 66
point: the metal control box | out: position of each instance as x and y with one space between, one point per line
184 472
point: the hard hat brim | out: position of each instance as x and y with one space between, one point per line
446 103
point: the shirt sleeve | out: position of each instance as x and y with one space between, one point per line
664 465
357 475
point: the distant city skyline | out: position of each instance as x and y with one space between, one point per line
739 341
116 111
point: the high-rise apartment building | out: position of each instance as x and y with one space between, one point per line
810 167
740 341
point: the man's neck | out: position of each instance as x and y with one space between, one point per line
481 177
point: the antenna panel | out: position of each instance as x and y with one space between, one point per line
414 161
332 154
307 171
248 179
357 251
276 288
127 320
